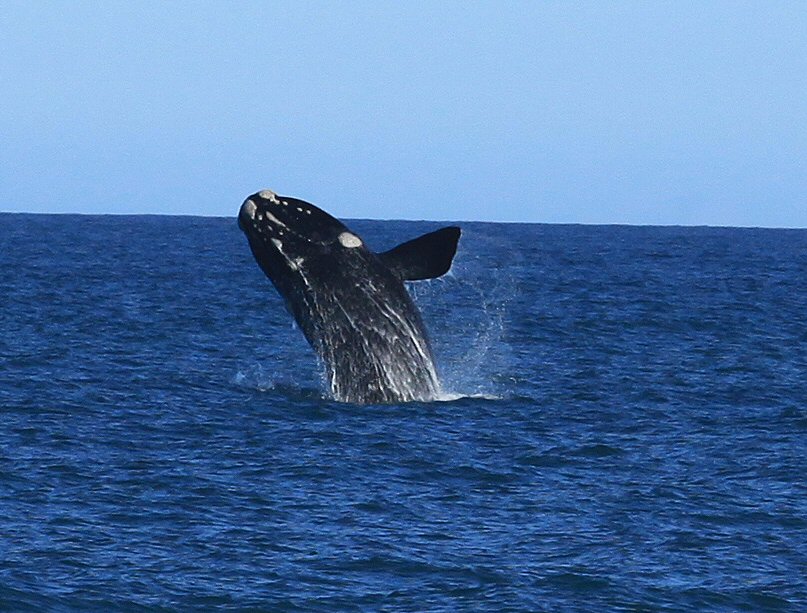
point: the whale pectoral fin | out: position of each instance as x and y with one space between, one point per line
426 257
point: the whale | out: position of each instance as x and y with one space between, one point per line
350 302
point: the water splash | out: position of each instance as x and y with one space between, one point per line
454 397
255 378
473 358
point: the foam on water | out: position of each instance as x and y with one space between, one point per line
446 396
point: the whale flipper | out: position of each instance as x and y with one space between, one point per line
426 257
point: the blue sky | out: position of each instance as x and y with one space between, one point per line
583 112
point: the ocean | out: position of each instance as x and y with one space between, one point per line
623 428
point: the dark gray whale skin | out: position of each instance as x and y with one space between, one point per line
349 302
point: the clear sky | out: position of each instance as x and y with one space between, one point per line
585 112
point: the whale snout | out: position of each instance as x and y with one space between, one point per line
297 224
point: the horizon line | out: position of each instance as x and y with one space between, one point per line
475 221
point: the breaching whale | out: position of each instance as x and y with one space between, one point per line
349 302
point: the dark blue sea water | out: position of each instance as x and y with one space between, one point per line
626 427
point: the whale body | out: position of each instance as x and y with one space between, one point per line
349 302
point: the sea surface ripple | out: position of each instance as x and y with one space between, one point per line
625 427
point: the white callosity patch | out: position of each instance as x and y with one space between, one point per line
268 194
274 220
249 208
349 240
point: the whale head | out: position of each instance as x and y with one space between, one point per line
283 231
